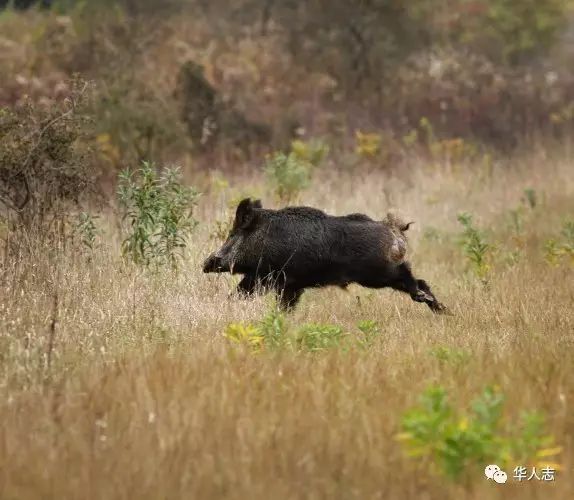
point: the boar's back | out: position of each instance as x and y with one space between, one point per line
306 243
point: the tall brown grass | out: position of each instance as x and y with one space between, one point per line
118 383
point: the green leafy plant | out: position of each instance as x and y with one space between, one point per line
288 175
530 198
246 335
274 329
475 246
522 29
369 332
87 230
517 220
568 235
368 145
274 333
159 211
456 440
450 355
313 151
271 332
555 250
317 337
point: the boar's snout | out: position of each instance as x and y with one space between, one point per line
214 264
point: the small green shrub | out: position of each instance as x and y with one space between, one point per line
159 211
316 337
368 145
517 215
456 441
568 234
274 333
530 198
270 333
87 230
45 157
450 355
517 220
521 30
555 250
246 335
274 329
477 250
288 175
314 151
369 332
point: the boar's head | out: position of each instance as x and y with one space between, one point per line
232 256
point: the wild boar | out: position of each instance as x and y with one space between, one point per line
295 248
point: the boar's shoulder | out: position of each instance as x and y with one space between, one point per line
301 212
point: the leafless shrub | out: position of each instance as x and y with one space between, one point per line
44 161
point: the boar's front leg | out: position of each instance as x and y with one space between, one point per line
288 297
247 286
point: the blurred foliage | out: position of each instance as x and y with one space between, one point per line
458 441
273 332
210 119
368 145
475 246
288 175
135 124
443 78
317 337
45 157
452 356
314 151
562 248
507 31
131 7
87 230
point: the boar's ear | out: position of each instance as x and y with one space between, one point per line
244 215
405 227
257 204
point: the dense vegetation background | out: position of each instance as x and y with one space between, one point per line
169 76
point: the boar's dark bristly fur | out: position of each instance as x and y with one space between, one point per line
294 248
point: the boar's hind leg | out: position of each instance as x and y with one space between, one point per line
434 304
417 289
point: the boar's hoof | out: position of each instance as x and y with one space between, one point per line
439 308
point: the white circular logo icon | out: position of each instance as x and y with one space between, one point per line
490 470
500 477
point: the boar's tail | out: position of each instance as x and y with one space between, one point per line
397 249
395 222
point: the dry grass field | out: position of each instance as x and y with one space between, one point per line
120 383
